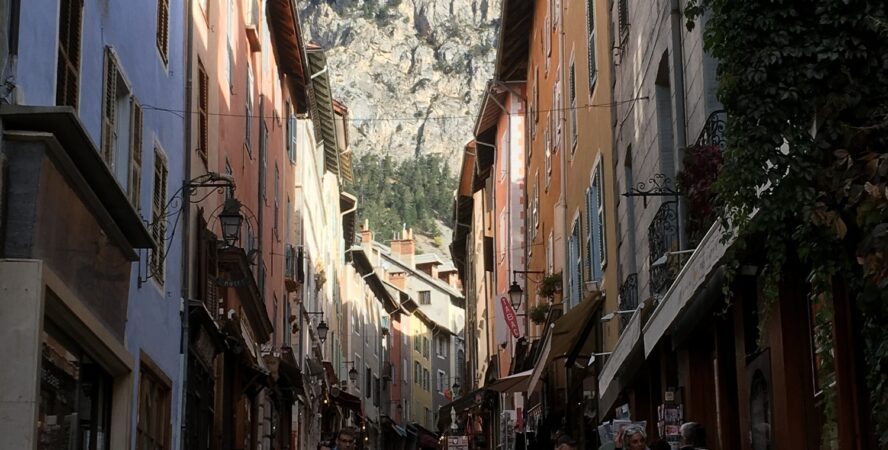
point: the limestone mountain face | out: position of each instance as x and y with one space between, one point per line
415 69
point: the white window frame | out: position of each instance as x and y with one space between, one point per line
591 40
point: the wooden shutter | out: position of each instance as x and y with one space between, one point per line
203 123
68 65
109 109
158 229
163 29
135 178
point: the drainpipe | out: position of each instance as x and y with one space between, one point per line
563 158
186 225
681 122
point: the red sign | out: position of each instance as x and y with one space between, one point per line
511 319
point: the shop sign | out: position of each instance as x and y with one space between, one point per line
509 314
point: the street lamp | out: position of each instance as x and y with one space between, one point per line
515 291
353 372
231 220
322 326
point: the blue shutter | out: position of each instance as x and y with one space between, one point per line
594 230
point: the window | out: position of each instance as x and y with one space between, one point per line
277 201
263 150
441 346
291 134
154 409
425 347
368 382
248 112
590 44
229 192
535 108
68 69
572 92
558 113
535 213
441 382
357 367
425 298
417 373
121 129
547 138
426 380
575 261
158 216
71 382
596 232
203 111
376 389
163 29
623 14
417 343
547 37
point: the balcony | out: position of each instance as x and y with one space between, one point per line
663 244
700 168
628 298
292 265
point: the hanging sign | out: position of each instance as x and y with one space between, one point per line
511 318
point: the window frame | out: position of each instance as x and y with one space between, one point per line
150 372
162 31
157 257
69 57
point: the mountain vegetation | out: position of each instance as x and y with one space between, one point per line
416 192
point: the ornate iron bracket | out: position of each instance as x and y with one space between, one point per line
658 186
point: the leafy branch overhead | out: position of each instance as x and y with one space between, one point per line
804 87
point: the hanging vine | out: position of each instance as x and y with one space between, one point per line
805 88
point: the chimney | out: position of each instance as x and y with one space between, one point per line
405 248
366 234
398 279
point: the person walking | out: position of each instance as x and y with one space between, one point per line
693 436
345 440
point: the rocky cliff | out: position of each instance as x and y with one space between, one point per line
410 71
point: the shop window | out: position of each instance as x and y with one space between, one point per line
74 408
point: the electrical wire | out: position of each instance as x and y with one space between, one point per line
420 118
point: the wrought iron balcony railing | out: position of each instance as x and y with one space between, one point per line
663 242
628 298
713 132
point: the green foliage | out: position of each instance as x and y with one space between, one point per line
806 94
539 313
550 285
415 192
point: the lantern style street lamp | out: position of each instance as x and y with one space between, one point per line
231 220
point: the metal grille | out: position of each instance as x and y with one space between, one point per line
663 239
628 298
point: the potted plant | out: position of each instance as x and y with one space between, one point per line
550 285
539 313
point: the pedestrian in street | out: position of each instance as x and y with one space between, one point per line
566 442
634 438
693 436
345 440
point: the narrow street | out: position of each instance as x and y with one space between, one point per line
429 224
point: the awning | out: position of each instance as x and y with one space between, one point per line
627 355
512 383
349 401
564 336
469 401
